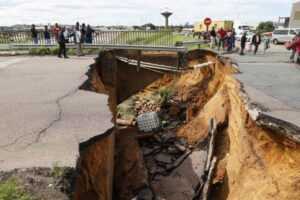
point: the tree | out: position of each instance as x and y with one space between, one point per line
267 26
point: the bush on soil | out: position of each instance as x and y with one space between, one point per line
10 190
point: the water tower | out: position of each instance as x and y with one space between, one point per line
166 14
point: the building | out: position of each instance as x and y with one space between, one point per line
201 27
283 22
295 15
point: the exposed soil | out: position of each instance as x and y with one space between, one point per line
205 116
44 183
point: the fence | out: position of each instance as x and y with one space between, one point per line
145 38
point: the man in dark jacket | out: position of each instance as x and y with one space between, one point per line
62 43
213 38
47 35
34 34
89 34
243 43
256 40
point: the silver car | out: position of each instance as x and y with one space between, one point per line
280 36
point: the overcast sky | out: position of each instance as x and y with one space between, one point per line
137 12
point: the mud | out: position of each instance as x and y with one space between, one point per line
257 157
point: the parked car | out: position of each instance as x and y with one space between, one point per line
281 36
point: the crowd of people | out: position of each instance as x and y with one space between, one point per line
226 40
79 34
222 39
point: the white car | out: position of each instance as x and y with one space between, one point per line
280 36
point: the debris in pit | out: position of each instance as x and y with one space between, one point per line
148 122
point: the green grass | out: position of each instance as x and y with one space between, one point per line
58 171
11 190
165 95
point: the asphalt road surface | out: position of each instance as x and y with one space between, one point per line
272 82
43 114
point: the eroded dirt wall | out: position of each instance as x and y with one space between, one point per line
95 168
260 164
253 162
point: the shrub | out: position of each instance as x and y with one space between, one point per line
10 190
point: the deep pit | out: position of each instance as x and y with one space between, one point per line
212 144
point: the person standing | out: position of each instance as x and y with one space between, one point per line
222 36
62 43
295 46
292 57
229 41
89 34
47 35
78 39
213 38
256 40
34 34
243 43
83 33
234 38
266 41
56 30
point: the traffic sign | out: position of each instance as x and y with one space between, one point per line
207 21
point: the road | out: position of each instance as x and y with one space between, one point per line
272 82
43 115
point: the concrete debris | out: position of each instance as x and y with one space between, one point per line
163 158
148 122
145 194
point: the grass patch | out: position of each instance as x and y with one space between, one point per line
165 95
57 171
126 109
11 190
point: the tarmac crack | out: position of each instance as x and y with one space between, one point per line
50 125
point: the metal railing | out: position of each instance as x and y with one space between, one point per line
145 38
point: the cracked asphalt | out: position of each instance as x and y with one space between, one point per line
271 81
43 114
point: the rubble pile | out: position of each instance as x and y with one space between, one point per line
145 105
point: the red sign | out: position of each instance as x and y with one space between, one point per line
207 21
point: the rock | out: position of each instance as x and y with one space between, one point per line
145 194
183 141
173 150
157 170
168 137
147 151
173 125
174 110
180 147
157 139
163 158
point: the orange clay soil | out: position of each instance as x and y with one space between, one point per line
253 162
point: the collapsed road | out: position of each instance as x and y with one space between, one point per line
212 141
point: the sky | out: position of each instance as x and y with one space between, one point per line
138 12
